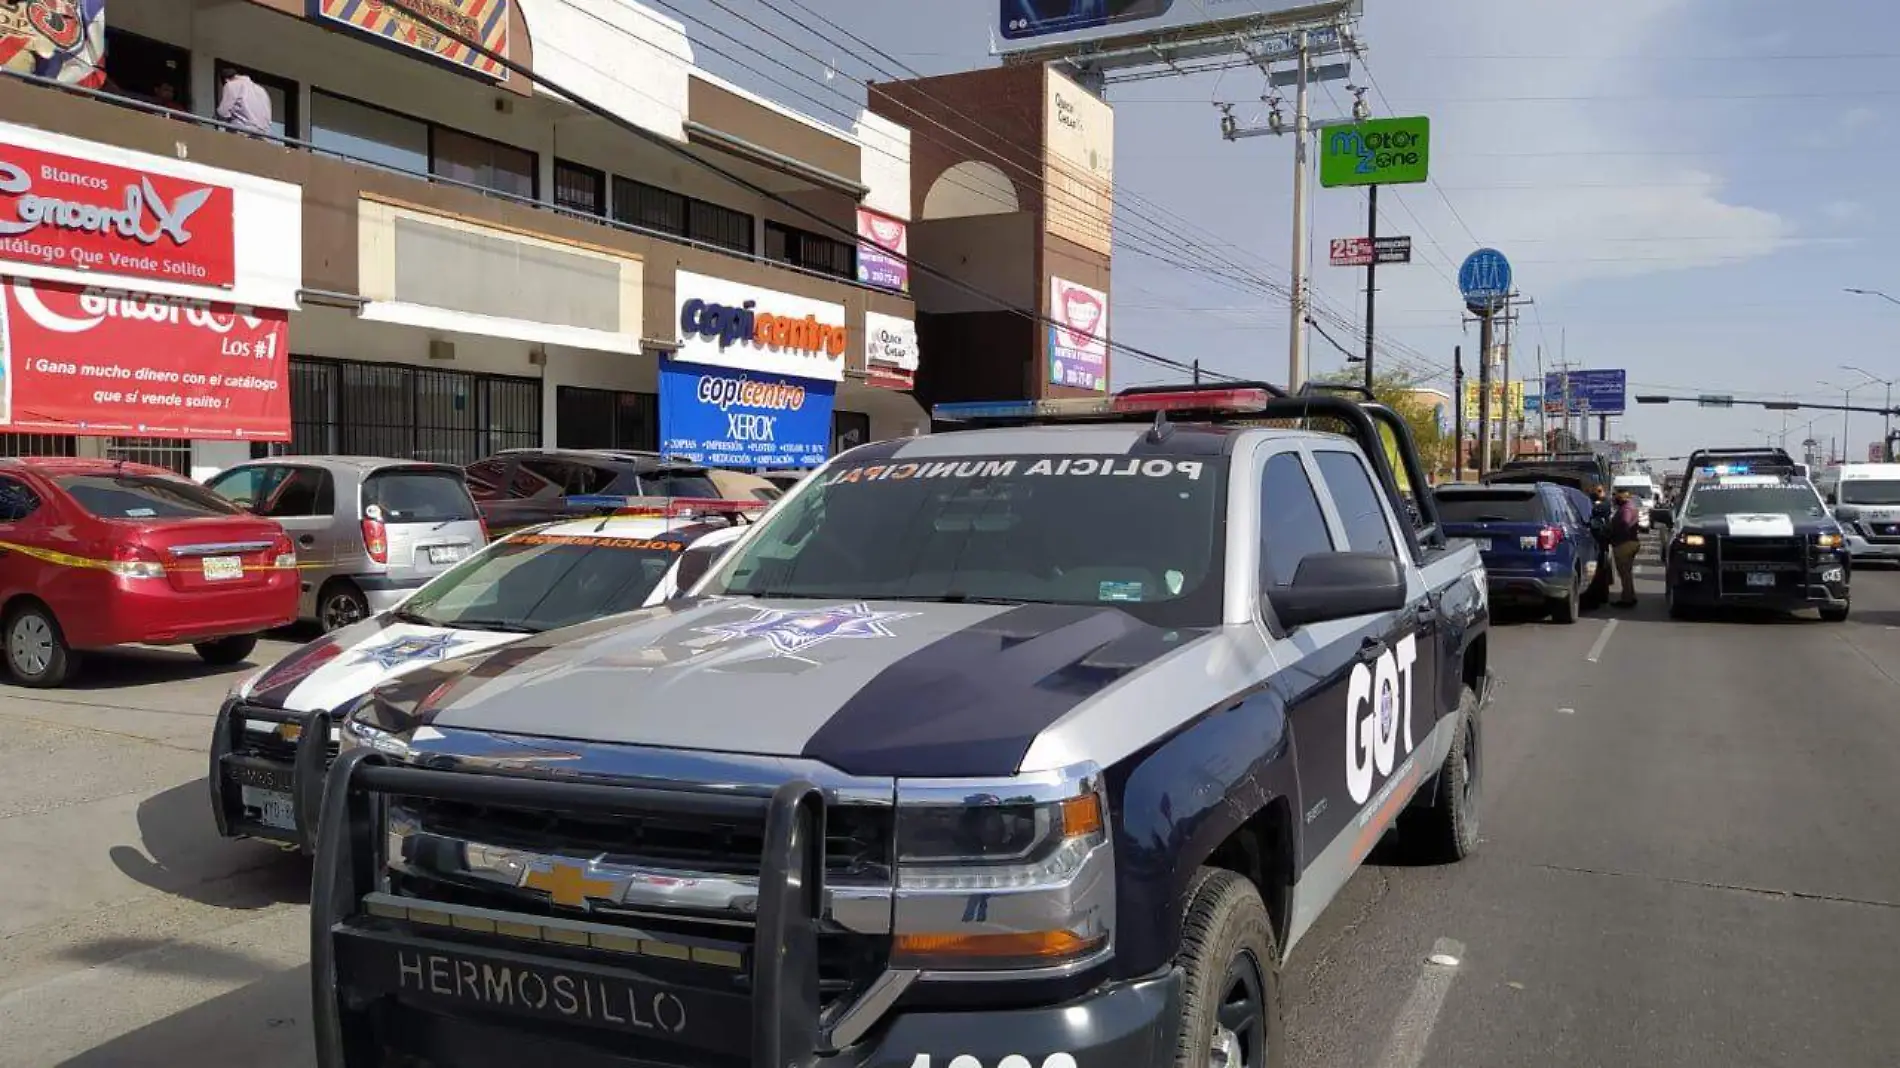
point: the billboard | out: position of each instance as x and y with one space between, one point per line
1376 152
64 41
1509 405
1079 164
1078 336
1024 25
1594 392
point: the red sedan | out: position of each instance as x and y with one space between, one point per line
95 553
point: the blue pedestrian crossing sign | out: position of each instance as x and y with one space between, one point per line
1485 280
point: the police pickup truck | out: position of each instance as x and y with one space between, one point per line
1753 532
1030 745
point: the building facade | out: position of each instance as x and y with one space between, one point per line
426 254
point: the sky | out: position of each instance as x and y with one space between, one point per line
1684 187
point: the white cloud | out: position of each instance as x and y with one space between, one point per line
1844 211
1570 187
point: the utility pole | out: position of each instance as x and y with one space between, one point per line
1504 358
1296 327
1458 413
1484 395
1372 267
1543 414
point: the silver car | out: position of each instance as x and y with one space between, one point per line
369 530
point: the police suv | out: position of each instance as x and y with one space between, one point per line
1756 534
1033 744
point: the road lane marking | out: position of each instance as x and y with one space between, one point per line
1413 1031
1603 639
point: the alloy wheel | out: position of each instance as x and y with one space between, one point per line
1240 1023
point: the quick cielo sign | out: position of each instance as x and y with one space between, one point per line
748 328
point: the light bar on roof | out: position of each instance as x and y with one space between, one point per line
666 507
1186 400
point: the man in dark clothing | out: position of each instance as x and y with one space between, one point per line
1626 540
1600 514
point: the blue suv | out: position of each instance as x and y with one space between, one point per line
1536 541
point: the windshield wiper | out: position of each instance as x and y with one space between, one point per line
501 626
404 615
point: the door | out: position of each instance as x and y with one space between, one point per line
19 571
1402 666
303 501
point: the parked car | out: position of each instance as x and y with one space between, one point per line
1537 547
96 553
275 731
517 488
369 530
740 486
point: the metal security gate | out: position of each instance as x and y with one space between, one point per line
170 453
378 409
606 419
38 445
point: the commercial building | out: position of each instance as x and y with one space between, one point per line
427 254
1012 197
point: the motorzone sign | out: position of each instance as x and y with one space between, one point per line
1361 251
1379 716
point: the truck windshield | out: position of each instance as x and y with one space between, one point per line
1145 534
535 582
1875 491
1753 500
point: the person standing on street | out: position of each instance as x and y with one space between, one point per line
244 104
1626 540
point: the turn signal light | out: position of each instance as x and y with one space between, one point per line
1828 541
1081 816
1029 946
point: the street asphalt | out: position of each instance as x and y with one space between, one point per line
1688 859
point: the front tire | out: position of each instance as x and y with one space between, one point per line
1230 1002
1446 831
37 653
226 651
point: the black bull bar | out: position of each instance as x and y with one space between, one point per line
787 1027
306 783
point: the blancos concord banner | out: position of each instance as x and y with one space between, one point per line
743 418
99 362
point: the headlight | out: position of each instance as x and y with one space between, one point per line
1828 541
1003 876
354 732
1694 540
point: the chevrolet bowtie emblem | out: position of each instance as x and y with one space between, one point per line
290 732
568 884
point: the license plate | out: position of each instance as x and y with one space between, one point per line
220 568
1761 578
275 808
445 554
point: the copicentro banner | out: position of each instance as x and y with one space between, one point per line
100 362
729 418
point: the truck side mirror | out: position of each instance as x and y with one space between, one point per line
1847 512
1329 586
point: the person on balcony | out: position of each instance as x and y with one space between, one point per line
244 104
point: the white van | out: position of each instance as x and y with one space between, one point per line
1866 500
1643 489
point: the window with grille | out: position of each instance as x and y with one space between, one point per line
38 445
410 413
578 188
813 252
653 208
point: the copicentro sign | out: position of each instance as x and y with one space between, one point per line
699 318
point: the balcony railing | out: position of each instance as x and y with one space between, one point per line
176 115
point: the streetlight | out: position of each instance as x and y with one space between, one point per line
1872 293
1887 434
1847 401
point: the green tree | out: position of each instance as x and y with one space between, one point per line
1402 393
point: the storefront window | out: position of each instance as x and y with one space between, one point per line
38 445
606 419
477 161
652 208
369 135
849 430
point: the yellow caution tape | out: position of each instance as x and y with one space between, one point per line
54 556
